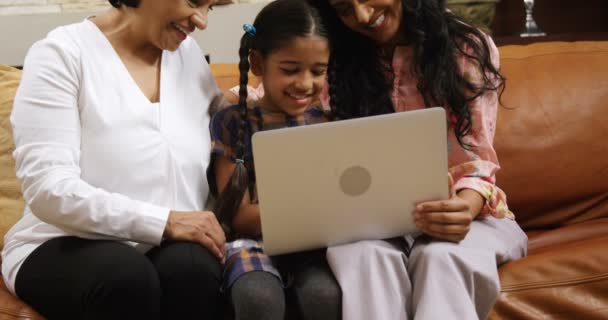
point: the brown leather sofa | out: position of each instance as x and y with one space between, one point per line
552 140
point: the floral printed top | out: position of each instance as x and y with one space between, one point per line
474 168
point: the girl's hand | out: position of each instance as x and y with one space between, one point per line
445 219
201 227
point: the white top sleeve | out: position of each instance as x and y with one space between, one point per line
47 134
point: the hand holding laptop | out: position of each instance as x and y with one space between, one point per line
447 219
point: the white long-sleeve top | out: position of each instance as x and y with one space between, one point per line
98 160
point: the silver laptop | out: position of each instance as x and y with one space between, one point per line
333 183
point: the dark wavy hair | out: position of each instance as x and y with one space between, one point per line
276 26
358 70
128 3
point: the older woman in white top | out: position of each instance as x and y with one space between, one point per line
112 145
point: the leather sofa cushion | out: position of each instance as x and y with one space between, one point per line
552 131
11 203
563 281
540 240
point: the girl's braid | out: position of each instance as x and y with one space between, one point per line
230 199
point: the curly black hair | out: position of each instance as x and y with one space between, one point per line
358 80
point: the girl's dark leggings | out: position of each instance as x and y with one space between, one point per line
312 291
73 278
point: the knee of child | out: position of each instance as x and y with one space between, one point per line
317 290
321 293
264 297
319 300
257 290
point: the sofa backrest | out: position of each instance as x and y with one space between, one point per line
552 132
11 203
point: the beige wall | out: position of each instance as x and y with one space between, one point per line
19 7
220 40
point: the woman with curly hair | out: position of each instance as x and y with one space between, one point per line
401 55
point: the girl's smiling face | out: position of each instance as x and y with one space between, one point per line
378 20
294 75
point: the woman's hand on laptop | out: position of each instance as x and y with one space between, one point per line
449 219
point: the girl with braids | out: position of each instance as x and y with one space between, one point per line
287 47
401 55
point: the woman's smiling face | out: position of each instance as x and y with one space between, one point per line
378 20
170 21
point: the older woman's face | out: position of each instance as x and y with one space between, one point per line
169 22
379 20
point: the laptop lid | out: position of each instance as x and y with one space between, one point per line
338 182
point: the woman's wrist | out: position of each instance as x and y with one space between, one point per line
168 226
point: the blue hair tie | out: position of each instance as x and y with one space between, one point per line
241 161
249 29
